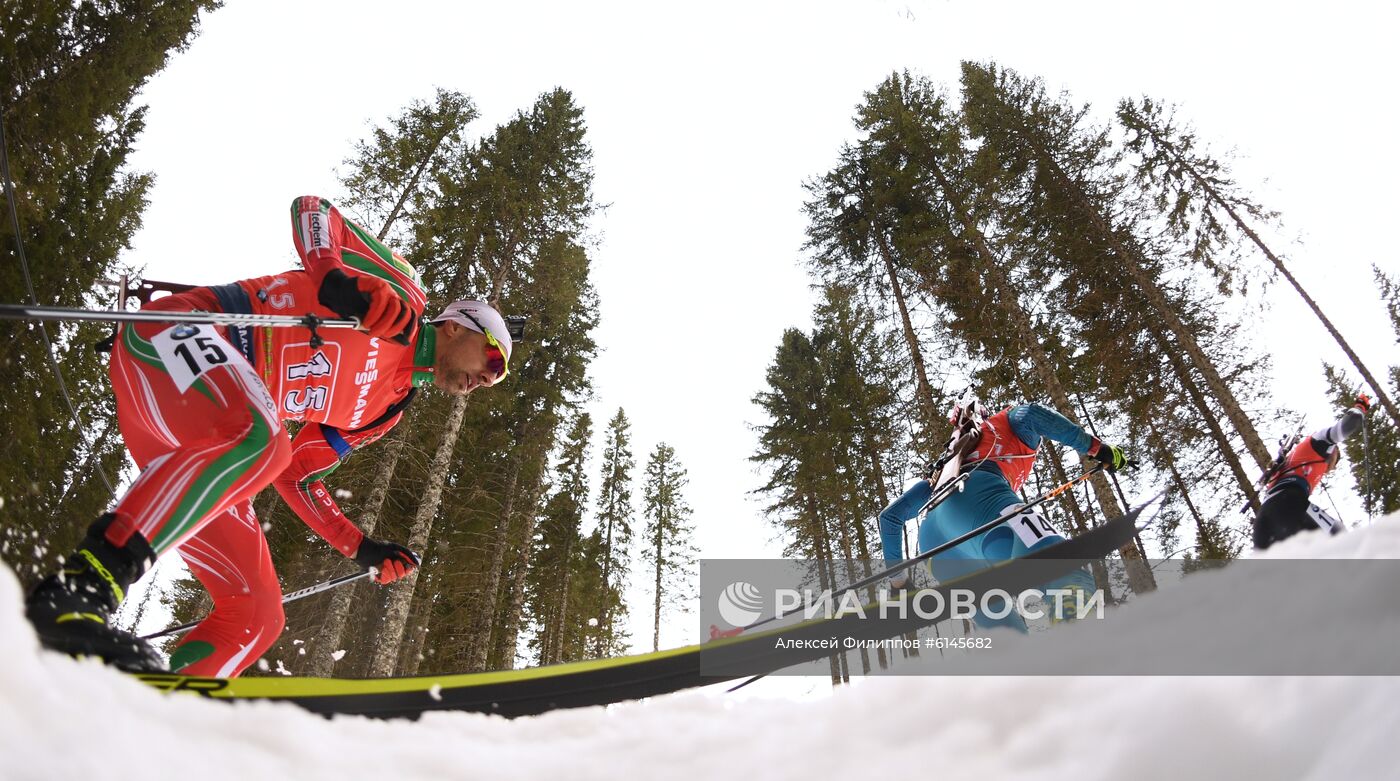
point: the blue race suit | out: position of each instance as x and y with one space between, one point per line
986 494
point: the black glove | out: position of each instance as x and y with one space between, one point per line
373 301
1110 456
390 559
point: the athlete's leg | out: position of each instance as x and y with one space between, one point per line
1283 513
230 557
200 424
985 497
980 501
204 431
1063 594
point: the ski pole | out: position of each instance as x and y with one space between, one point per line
290 596
19 312
1366 460
956 541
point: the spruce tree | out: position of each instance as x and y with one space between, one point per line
69 76
564 310
524 188
794 445
852 214
1373 455
614 517
557 546
668 550
1203 203
1049 140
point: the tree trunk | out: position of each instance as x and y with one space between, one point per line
1130 258
863 540
821 559
1093 431
562 610
515 607
412 183
396 615
1044 368
481 624
1222 441
656 613
328 639
1201 531
848 554
1355 359
923 390
1096 566
604 639
421 616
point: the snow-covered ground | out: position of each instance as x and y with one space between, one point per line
60 719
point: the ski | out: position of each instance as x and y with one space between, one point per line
537 690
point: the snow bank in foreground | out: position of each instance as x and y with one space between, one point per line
61 719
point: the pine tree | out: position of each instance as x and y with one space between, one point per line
69 76
615 514
1204 203
557 545
1047 139
1374 455
669 552
794 444
385 179
524 188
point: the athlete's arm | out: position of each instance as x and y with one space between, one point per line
355 274
325 240
1323 440
1030 422
317 451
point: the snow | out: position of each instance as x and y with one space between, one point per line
64 719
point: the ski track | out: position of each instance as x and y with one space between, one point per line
62 719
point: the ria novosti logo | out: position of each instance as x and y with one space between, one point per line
740 604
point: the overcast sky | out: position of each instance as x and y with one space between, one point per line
706 119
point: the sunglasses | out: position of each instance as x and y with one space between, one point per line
495 356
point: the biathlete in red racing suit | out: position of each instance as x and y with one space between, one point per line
201 411
1286 501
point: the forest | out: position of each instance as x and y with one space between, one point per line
988 235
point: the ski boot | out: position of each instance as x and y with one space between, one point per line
72 611
1064 608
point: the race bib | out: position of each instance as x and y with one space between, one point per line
189 351
1031 527
1324 521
